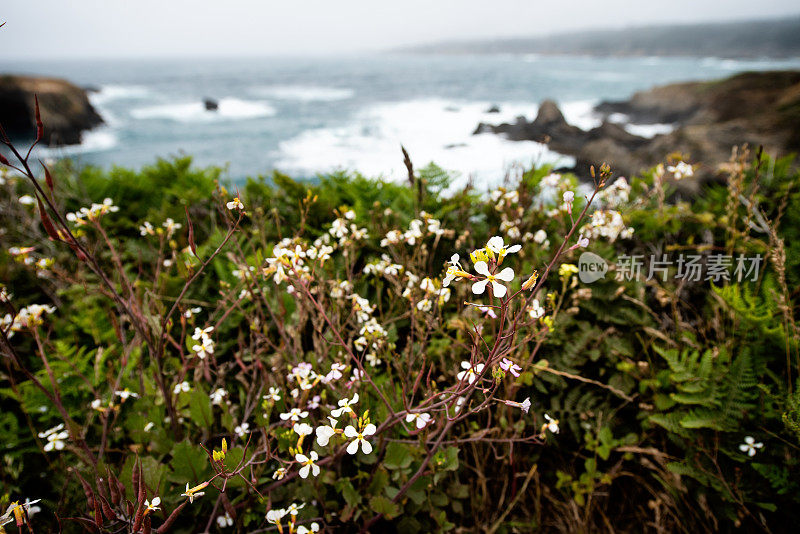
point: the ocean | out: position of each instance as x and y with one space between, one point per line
305 116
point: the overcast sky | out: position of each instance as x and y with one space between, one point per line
146 28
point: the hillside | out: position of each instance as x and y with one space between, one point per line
776 38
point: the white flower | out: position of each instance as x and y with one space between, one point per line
345 406
125 394
275 516
583 242
149 426
470 372
217 396
182 387
274 394
499 289
153 505
335 373
679 171
749 446
302 529
194 493
26 200
496 245
224 521
295 414
422 419
294 508
535 310
279 473
308 464
325 432
568 197
235 204
55 438
551 424
171 226
242 430
302 429
360 437
525 406
146 229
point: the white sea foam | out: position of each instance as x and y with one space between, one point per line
303 93
97 140
649 130
108 93
581 113
229 109
431 130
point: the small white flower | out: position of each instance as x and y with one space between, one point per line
242 430
275 516
302 529
750 446
295 414
235 204
497 246
422 419
470 373
27 200
499 290
217 396
125 394
274 394
680 170
325 432
308 464
551 425
149 426
360 437
535 310
525 406
183 387
152 506
279 473
345 406
224 521
302 429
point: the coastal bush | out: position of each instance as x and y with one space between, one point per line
351 354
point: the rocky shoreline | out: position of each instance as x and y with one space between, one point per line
65 109
709 118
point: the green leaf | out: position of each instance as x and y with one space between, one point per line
200 408
398 456
382 505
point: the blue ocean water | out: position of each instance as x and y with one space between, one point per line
312 115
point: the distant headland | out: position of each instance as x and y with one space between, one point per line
773 38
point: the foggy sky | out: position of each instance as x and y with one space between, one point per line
55 29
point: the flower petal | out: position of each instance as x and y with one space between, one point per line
499 289
482 268
480 286
506 274
353 447
366 446
350 431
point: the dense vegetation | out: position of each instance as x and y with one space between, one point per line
653 403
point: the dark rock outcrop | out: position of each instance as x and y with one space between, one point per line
65 109
757 108
211 104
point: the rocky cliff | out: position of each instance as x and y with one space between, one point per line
65 109
757 108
